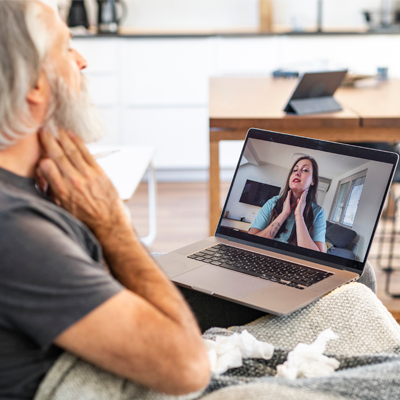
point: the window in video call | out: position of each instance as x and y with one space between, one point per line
317 200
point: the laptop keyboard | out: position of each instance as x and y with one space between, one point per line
272 269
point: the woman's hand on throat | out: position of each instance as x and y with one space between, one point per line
287 206
301 205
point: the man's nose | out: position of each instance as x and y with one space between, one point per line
81 62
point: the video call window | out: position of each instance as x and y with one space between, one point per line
343 200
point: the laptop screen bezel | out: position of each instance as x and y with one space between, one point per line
324 146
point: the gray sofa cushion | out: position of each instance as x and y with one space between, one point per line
339 236
340 252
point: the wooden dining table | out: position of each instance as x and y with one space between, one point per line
371 113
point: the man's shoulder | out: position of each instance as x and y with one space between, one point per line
12 198
24 217
8 195
12 203
16 208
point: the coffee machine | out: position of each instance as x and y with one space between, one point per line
77 14
107 19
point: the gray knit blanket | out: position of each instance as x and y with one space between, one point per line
368 349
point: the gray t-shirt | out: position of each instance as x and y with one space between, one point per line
51 276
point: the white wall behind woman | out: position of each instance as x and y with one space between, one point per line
320 197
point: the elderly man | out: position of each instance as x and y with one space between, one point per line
55 293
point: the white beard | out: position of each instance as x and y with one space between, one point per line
73 112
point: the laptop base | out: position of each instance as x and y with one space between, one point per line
243 289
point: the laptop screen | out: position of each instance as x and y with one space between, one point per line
316 199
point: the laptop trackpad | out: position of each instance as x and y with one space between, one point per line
222 281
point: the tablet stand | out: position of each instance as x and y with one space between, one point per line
314 105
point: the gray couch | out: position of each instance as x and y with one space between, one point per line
341 239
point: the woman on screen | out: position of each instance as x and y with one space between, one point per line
294 217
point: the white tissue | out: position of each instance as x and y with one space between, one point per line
307 360
228 351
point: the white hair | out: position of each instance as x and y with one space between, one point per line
24 43
37 28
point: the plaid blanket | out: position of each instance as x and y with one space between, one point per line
368 349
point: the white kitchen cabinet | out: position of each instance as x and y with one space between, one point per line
357 53
103 89
103 73
257 55
179 134
229 152
102 54
166 71
165 98
110 116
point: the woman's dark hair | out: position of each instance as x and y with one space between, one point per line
308 211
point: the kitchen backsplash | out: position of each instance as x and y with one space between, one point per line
209 14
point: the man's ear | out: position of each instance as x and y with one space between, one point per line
40 92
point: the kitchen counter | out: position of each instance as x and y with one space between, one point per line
238 32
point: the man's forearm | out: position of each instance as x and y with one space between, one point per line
135 269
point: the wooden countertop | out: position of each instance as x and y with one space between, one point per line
243 102
126 32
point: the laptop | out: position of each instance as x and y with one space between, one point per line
282 274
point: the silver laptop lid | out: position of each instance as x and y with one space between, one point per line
343 202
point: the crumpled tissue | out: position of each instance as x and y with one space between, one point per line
228 351
307 360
